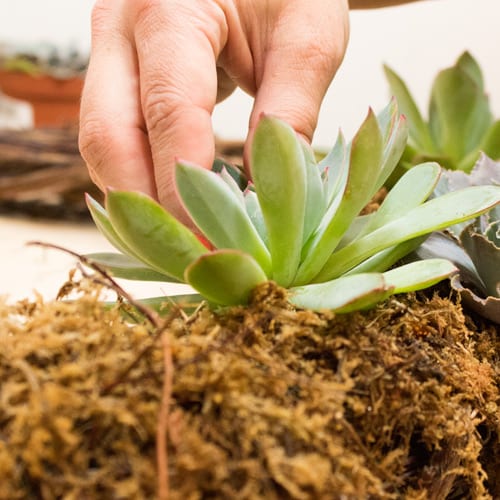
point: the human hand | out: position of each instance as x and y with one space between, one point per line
158 67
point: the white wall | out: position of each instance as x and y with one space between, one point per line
58 21
416 40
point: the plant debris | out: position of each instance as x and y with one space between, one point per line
267 401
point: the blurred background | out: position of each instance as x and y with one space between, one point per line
416 40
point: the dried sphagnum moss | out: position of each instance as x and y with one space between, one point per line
268 402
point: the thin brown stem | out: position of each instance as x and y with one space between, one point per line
163 420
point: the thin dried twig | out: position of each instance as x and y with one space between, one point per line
163 420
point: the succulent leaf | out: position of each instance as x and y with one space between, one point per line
236 172
433 215
460 119
470 66
126 267
486 257
206 196
475 247
392 152
264 231
279 175
459 113
365 165
232 184
225 277
418 275
488 307
485 172
387 119
334 168
491 141
419 131
255 213
315 197
440 244
409 192
102 222
156 237
383 260
492 232
343 295
363 290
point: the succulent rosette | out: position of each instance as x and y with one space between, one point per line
298 223
459 123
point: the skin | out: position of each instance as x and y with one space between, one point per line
158 67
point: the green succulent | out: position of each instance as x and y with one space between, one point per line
460 122
298 223
473 247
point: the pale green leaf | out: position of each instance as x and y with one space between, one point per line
225 277
126 267
233 185
486 257
384 259
102 222
419 132
418 275
155 236
315 198
393 150
279 175
470 66
410 191
235 171
439 245
491 141
255 213
459 113
345 294
387 119
219 213
355 229
365 164
433 215
334 169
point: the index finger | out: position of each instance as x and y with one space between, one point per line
177 47
112 136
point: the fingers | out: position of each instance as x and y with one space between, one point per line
152 82
112 137
298 69
177 45
150 90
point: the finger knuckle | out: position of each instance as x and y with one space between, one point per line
151 15
161 109
100 16
95 141
303 122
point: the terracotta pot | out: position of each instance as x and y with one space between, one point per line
55 102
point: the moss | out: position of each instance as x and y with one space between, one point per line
267 401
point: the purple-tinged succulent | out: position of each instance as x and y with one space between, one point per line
473 247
